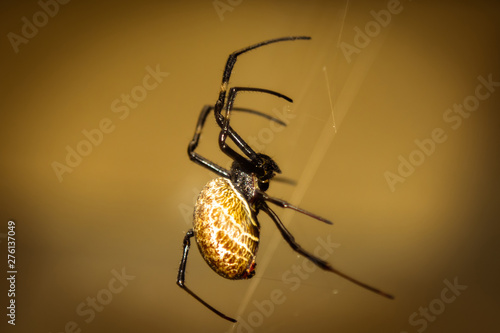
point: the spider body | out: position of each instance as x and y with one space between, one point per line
226 230
225 224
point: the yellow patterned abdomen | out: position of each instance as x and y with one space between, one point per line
226 232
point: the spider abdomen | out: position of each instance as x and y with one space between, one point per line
225 229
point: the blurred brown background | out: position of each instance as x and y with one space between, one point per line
384 73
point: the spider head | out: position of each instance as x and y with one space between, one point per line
257 173
266 169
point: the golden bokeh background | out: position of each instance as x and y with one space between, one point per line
376 77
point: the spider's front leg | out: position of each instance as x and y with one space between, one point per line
226 131
197 158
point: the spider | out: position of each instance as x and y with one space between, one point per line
225 223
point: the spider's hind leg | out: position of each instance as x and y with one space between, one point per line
317 261
181 276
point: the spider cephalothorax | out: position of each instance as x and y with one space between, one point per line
249 179
225 223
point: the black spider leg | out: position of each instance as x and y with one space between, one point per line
223 122
284 204
251 111
231 60
285 180
195 157
317 261
182 272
